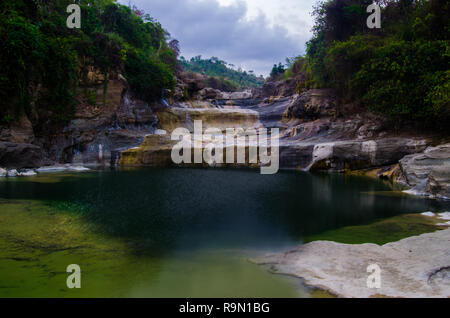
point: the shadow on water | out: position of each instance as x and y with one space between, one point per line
161 210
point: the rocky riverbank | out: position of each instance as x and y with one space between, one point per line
317 133
417 266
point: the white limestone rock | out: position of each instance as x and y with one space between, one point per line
418 266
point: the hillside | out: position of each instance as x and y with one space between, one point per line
47 69
221 71
400 70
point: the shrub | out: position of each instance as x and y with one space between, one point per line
148 76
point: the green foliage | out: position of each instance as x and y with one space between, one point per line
222 84
59 76
91 96
22 56
221 71
131 27
403 78
42 61
148 76
400 70
277 70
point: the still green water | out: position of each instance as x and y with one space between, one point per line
174 232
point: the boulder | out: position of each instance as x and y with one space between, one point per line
156 150
3 172
356 154
12 173
312 105
20 155
278 88
210 93
247 94
27 173
428 172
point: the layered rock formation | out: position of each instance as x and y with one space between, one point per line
428 172
20 155
317 132
100 130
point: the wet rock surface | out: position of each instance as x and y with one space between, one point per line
20 155
429 172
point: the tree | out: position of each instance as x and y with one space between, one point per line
174 45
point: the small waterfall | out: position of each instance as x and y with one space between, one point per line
100 153
321 152
419 189
164 102
163 98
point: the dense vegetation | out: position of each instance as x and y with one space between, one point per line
222 72
400 70
43 63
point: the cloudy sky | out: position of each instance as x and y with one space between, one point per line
252 34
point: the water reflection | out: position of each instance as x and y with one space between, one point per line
172 209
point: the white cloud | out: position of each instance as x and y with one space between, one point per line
252 34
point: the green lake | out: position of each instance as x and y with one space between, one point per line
179 232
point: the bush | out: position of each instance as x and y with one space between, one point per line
22 59
148 76
400 70
405 79
42 61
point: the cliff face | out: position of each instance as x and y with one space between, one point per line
317 132
102 127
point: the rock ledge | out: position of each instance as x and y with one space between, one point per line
418 266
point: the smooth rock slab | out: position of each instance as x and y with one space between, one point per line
62 168
428 173
12 173
27 173
418 266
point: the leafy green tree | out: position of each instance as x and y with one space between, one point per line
43 63
400 70
148 76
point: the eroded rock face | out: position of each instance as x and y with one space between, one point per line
156 148
20 131
209 93
20 155
413 267
99 132
428 172
154 151
281 88
355 154
175 117
312 104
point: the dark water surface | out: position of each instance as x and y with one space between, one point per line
173 232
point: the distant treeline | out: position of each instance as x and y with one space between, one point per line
222 71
